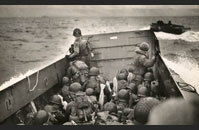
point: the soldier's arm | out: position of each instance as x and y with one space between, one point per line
84 86
68 111
76 50
147 62
69 71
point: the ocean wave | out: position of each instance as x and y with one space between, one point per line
187 68
16 79
21 76
145 28
190 36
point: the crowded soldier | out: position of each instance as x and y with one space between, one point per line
55 110
78 71
86 97
100 86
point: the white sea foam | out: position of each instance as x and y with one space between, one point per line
145 28
16 79
187 68
189 36
21 76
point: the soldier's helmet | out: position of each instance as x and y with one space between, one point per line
132 87
174 112
41 117
123 94
143 92
122 84
65 90
55 99
144 46
92 84
148 76
65 80
111 107
75 87
143 108
121 76
94 71
89 91
50 108
131 69
139 86
125 71
77 32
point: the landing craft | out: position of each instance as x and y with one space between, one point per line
168 28
112 51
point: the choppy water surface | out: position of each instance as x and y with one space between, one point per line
27 44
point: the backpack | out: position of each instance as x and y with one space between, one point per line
84 108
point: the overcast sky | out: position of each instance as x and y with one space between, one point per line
97 10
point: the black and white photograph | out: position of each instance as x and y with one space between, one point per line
99 64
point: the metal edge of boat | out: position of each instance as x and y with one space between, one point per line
23 92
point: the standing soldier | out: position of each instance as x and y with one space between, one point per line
80 49
141 63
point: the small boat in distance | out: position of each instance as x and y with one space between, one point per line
168 27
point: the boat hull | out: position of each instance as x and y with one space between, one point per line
112 51
174 29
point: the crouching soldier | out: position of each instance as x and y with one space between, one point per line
68 92
80 110
148 78
65 81
151 84
108 116
101 87
42 118
123 99
78 72
121 76
142 92
55 109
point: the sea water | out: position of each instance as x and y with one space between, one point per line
29 44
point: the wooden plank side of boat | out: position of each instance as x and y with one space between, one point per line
18 95
115 51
